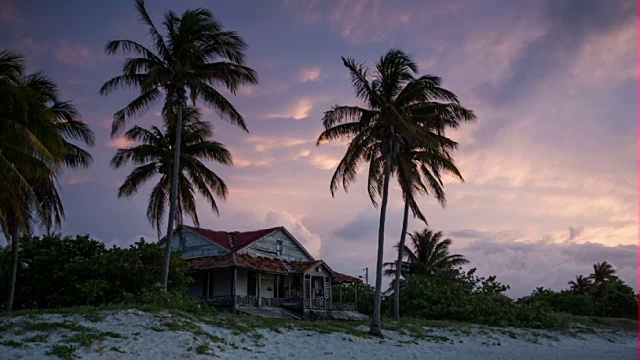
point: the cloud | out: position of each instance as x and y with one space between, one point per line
570 25
75 180
311 242
302 154
310 74
361 21
243 163
525 265
324 162
119 143
264 143
365 225
575 232
74 55
300 110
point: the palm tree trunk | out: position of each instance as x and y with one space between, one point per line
13 272
376 326
173 198
603 299
396 291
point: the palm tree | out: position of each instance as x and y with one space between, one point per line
581 285
35 146
194 58
428 256
394 99
603 276
155 157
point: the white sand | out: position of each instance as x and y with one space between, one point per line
141 341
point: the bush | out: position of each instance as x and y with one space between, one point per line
365 296
620 301
57 272
462 296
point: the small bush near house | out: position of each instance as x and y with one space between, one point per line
81 271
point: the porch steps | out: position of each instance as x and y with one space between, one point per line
336 315
268 312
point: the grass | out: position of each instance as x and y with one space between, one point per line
14 344
66 352
203 349
41 338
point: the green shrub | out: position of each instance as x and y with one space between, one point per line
465 297
80 271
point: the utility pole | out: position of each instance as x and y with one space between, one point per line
366 275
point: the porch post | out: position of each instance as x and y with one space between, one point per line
208 281
234 290
259 288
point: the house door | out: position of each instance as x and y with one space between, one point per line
252 282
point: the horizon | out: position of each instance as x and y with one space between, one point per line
550 167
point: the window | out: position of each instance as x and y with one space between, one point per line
278 247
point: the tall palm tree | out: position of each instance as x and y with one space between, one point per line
194 58
397 104
428 255
581 285
154 156
35 146
603 276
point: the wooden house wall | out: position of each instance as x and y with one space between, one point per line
196 246
267 248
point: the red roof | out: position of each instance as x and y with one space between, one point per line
262 264
225 238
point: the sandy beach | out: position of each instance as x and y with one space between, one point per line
134 334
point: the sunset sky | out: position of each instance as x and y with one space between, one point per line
550 166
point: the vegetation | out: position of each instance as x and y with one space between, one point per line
81 271
428 256
155 157
398 113
189 62
37 129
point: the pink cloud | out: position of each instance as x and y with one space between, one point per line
74 180
119 143
74 55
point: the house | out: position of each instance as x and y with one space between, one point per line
261 269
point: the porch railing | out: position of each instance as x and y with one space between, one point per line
224 300
273 302
246 300
344 306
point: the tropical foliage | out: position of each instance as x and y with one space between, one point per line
428 255
82 271
398 112
191 61
37 131
154 157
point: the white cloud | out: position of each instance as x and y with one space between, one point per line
311 242
310 74
298 111
324 162
264 143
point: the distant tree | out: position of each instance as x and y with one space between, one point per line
603 276
581 285
428 255
154 157
193 59
540 290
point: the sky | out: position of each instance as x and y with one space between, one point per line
550 167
